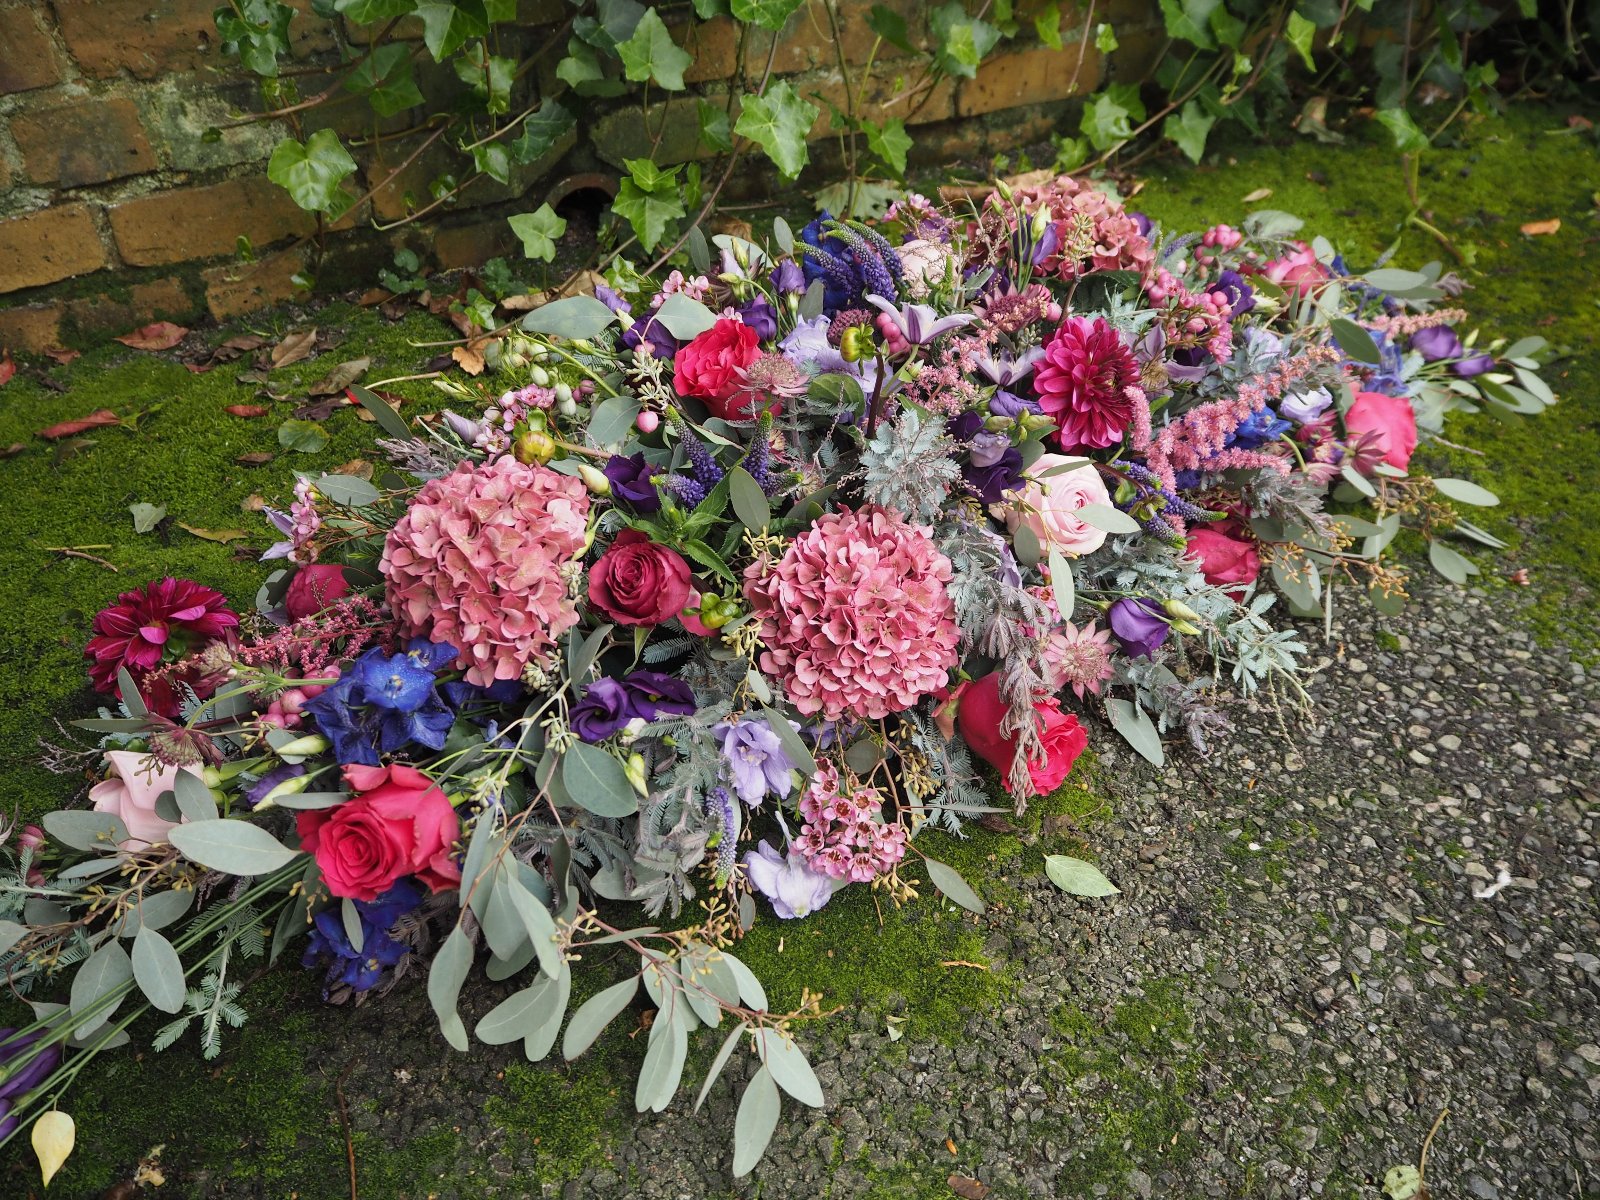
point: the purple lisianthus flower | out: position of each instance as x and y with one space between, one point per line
989 448
652 694
329 944
755 758
24 1068
990 483
1241 296
612 300
1139 626
1306 407
602 712
256 792
1476 365
650 332
1049 242
630 482
759 315
1141 222
795 888
787 278
1010 405
1189 364
1436 342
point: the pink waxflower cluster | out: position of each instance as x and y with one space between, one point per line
845 835
855 615
478 562
1093 231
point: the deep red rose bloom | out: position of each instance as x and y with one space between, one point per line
708 369
637 582
979 719
163 621
1083 383
1224 560
400 823
313 588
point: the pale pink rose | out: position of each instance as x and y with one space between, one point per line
136 781
1048 505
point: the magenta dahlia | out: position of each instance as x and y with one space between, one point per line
160 623
855 615
1084 381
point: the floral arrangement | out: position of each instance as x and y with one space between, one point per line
748 577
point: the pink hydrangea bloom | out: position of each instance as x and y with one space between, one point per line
477 561
845 835
1093 232
855 615
1087 382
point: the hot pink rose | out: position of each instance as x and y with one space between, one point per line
1389 422
400 823
979 718
637 582
136 782
313 588
1224 560
708 369
1297 271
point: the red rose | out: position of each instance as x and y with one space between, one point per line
1223 559
979 718
400 823
708 369
313 588
637 582
1390 421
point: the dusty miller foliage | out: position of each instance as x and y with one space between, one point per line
907 466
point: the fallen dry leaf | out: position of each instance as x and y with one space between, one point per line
255 458
1577 122
1541 228
295 347
12 450
254 502
61 355
319 410
247 410
375 295
215 535
100 416
968 1188
468 359
160 335
341 377
7 368
359 468
1258 194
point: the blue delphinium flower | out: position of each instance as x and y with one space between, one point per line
359 970
756 759
1258 429
385 701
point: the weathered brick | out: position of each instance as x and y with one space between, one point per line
176 226
1137 54
27 56
179 110
473 244
32 328
244 287
880 100
1035 76
107 316
89 141
149 40
622 135
715 46
45 246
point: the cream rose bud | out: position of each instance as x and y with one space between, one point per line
1048 505
925 264
131 791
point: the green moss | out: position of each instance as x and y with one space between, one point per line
565 1118
1387 641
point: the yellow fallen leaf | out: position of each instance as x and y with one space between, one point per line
1258 194
1538 228
215 535
468 359
53 1136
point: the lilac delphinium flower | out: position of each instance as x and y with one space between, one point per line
791 884
359 970
756 759
1139 626
1306 407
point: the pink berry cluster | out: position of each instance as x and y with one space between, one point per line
1193 318
845 835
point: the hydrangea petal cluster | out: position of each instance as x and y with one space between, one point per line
845 835
855 615
1094 232
477 562
1086 382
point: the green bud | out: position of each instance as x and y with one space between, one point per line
289 787
1186 627
534 447
1179 609
635 772
303 747
540 377
594 479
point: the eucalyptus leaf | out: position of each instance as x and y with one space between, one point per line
756 1120
85 830
1136 728
713 1072
235 847
155 911
1355 341
662 1069
104 972
595 1014
1466 492
574 318
1103 516
787 1064
445 977
1452 564
536 1046
391 422
749 501
948 880
194 798
536 920
1061 585
158 971
596 781
515 1017
684 317
1078 878
794 749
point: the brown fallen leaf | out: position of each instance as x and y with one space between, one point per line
65 429
1258 194
359 468
159 335
255 458
968 1188
62 356
1577 122
1541 228
295 347
319 410
254 502
12 450
247 410
468 359
7 368
215 535
341 377
375 295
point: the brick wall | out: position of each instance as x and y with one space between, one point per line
130 190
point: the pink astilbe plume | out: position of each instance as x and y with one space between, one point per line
309 646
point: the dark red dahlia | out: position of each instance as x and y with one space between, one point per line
1084 383
162 622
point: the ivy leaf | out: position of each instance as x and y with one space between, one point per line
1189 129
365 12
493 160
1106 121
541 131
538 231
889 141
1105 38
1048 25
1408 139
1299 33
891 27
147 516
385 79
716 131
257 31
1187 20
768 14
312 171
648 200
652 54
961 41
778 121
488 75
447 25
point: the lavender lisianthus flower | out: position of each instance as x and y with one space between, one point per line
1009 404
652 333
793 886
787 278
1436 342
1306 407
24 1069
256 792
759 315
756 759
1476 365
630 480
1139 626
652 694
612 300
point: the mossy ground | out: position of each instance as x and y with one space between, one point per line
264 1116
